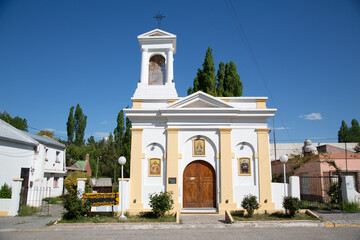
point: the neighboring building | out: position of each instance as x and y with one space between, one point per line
101 185
209 151
80 165
38 160
317 175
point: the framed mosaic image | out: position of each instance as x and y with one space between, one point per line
154 167
199 147
244 166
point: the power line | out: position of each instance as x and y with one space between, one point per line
240 29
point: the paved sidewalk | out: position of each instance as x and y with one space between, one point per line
31 222
202 219
340 218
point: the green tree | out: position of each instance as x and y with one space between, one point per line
343 132
127 148
351 134
17 122
354 131
46 132
91 140
205 80
80 125
70 125
232 84
220 77
119 132
226 83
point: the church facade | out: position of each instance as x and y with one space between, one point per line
208 151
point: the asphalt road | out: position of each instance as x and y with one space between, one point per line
188 234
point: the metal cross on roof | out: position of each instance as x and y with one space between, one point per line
159 18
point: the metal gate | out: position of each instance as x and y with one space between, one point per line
35 198
315 191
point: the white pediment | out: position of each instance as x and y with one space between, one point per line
200 100
156 33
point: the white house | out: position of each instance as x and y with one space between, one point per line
37 161
209 151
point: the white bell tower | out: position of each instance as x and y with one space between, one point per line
157 74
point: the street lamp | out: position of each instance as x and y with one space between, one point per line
122 161
284 159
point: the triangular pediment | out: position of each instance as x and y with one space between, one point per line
156 33
200 100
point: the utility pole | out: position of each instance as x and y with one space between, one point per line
97 166
346 158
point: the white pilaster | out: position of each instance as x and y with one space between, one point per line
15 196
81 187
169 65
144 66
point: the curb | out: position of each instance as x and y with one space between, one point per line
337 225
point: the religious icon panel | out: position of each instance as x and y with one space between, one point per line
244 166
154 167
199 147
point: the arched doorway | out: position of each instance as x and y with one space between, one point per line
199 185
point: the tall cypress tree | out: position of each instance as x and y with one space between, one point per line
354 131
119 134
226 83
205 79
220 77
343 132
232 84
80 125
70 125
127 148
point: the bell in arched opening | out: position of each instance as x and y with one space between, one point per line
157 70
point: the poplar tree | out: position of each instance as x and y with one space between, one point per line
119 134
80 125
70 125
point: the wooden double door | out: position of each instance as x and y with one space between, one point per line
199 185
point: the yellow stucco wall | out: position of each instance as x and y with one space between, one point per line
137 103
4 213
265 197
226 185
172 165
261 104
136 205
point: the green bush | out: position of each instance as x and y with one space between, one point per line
333 192
250 204
5 191
292 205
70 181
161 203
349 207
74 207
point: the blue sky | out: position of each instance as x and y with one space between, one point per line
56 54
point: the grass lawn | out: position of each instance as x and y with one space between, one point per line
146 217
239 216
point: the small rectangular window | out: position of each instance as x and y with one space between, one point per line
57 157
56 182
46 154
